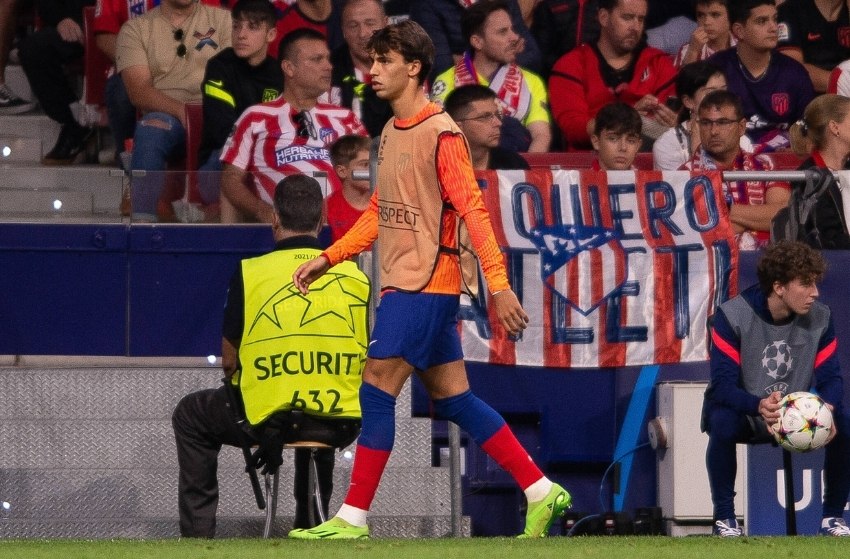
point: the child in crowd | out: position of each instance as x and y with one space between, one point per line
713 32
616 137
348 154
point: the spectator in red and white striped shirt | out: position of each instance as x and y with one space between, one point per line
291 134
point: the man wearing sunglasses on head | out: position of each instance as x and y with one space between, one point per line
752 204
291 134
162 56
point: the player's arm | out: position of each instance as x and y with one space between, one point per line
725 365
454 171
357 239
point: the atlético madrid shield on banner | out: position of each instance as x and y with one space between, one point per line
614 269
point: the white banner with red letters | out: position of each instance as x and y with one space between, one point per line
614 269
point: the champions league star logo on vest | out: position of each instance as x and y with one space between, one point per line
569 252
777 364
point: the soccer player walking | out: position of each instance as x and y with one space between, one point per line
425 183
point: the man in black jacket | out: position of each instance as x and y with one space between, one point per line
235 79
43 55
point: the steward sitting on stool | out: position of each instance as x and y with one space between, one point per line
298 367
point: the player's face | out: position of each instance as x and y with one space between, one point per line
622 27
251 39
720 131
360 20
714 19
391 74
482 123
761 30
497 40
797 296
310 67
616 151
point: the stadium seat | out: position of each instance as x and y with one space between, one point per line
294 429
272 482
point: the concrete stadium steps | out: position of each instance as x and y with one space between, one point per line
89 453
28 136
90 193
55 494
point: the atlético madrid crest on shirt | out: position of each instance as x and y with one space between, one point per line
780 103
844 36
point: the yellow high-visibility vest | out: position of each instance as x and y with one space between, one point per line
302 351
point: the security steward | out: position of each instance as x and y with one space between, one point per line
296 360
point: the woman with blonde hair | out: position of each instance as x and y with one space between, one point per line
824 135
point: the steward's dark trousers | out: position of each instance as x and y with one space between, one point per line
202 423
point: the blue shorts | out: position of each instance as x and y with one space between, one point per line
421 328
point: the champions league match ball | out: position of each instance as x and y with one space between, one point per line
805 422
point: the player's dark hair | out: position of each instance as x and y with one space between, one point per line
287 44
473 18
345 149
255 11
298 202
408 39
618 118
740 10
722 98
457 102
786 261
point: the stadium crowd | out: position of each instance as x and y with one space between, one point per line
551 64
286 87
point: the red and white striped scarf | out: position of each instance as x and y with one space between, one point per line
508 83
